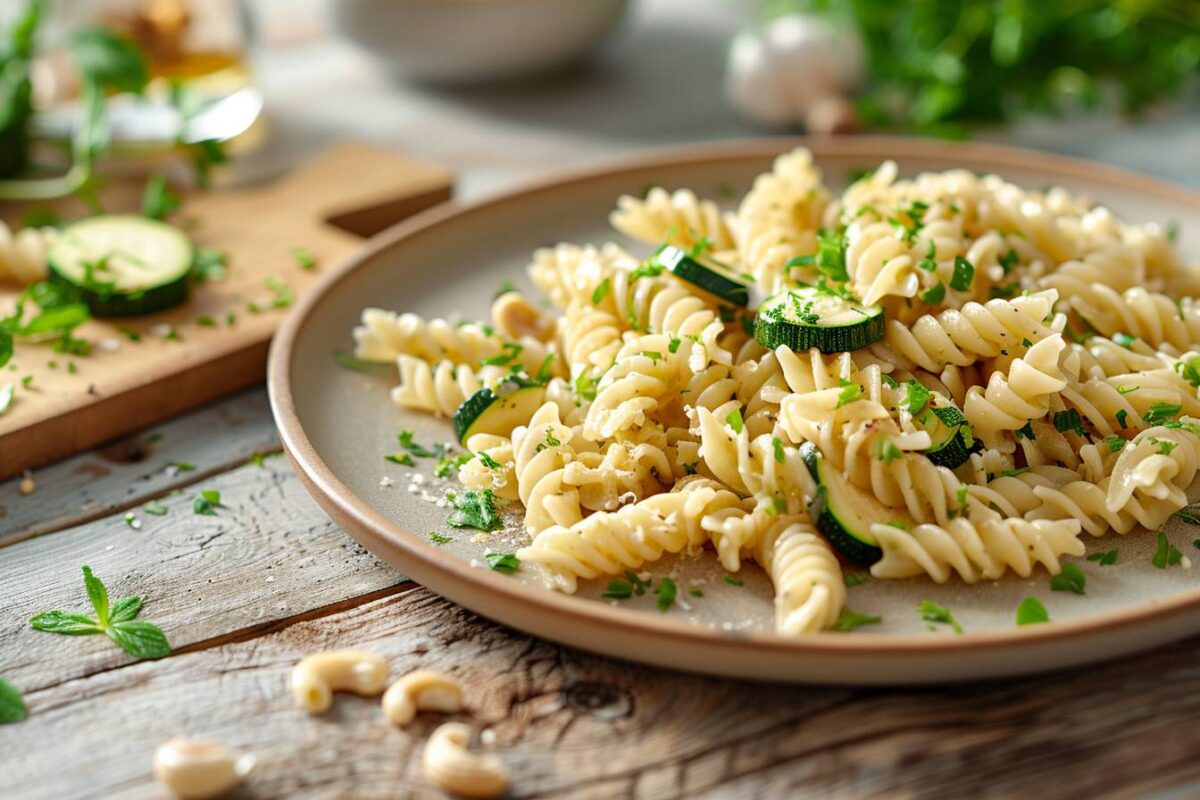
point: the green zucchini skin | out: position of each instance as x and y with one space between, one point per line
708 277
834 504
498 410
949 448
122 265
777 324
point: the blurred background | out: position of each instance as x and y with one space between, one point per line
506 89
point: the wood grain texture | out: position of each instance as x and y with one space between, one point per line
573 725
268 554
128 472
112 392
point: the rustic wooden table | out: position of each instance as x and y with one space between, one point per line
269 578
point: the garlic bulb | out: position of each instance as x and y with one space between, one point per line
797 70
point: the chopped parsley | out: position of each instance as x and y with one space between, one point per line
281 293
179 467
1124 339
1068 421
673 345
1165 554
696 591
1188 516
850 619
303 258
439 538
639 586
618 589
1127 389
857 578
933 613
1189 368
1161 412
935 294
585 387
474 509
830 257
601 291
445 466
1031 611
1026 431
1115 444
1012 473
405 437
503 562
964 274
1121 416
1009 260
488 461
915 397
509 351
732 581
653 355
156 508
504 288
664 594
1071 579
851 393
734 420
546 370
1105 559
1005 291
647 269
927 263
207 502
400 458
886 450
777 443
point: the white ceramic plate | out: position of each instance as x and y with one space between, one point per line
337 424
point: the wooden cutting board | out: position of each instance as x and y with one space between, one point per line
136 376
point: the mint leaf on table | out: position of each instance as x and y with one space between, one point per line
207 502
503 562
139 639
118 622
12 706
158 200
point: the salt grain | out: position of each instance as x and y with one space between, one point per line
385 482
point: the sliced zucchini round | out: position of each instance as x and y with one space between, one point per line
811 317
949 432
842 512
705 274
499 409
123 264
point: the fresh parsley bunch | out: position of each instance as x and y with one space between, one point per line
937 63
118 621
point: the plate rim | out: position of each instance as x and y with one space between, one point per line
328 489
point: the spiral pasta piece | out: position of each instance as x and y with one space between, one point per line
492 466
645 372
679 218
606 543
384 336
810 591
1010 401
438 388
541 452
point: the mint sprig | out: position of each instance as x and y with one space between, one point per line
118 621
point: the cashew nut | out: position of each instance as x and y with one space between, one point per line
315 678
195 769
450 765
422 690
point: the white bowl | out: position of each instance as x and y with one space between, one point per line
475 41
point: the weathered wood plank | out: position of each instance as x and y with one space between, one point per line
574 725
129 471
269 554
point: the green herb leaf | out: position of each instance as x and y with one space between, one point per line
405 437
1124 339
915 397
964 274
65 623
125 609
732 581
208 265
303 258
850 619
1009 260
157 200
777 443
488 461
664 594
156 508
1068 420
180 467
618 589
850 393
97 593
400 458
439 538
734 420
696 591
1031 611
934 294
503 562
207 502
140 639
857 578
936 613
1188 516
1070 579
886 450
1165 554
601 291
1189 368
1121 416
1105 559
474 509
1161 412
12 705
